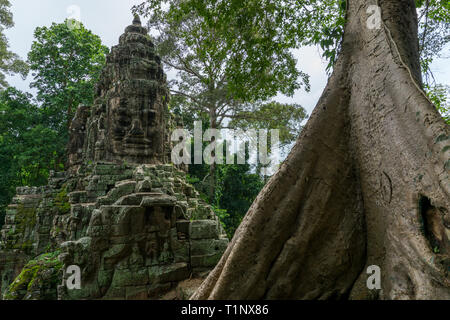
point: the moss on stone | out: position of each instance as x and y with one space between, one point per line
25 246
61 201
32 276
25 218
24 223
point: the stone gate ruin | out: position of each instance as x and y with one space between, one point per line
121 212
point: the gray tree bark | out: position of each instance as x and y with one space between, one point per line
367 183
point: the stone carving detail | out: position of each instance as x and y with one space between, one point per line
128 219
129 116
140 240
77 132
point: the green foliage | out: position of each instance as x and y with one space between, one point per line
223 216
237 186
10 63
230 47
434 32
27 148
236 189
440 96
286 118
66 64
434 36
230 55
325 22
203 38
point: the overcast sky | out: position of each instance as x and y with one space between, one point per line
108 19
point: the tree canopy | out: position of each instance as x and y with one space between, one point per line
207 39
66 62
10 62
227 73
28 148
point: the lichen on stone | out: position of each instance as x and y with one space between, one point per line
40 275
61 201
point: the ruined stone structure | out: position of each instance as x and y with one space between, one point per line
130 114
121 213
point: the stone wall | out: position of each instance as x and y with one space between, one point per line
28 224
134 230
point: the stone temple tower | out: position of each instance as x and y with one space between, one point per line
129 119
122 213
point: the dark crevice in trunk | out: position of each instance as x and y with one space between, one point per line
430 224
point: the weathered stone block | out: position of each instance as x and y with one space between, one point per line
104 278
118 230
155 291
116 251
208 246
183 226
144 186
136 293
105 169
121 189
181 252
205 260
116 293
130 200
156 183
77 197
168 273
127 277
180 248
180 213
158 200
203 229
207 253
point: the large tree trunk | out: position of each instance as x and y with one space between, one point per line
367 183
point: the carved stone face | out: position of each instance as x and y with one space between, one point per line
132 127
133 94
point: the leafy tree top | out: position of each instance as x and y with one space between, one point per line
66 60
242 44
10 63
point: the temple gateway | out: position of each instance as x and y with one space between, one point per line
121 212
